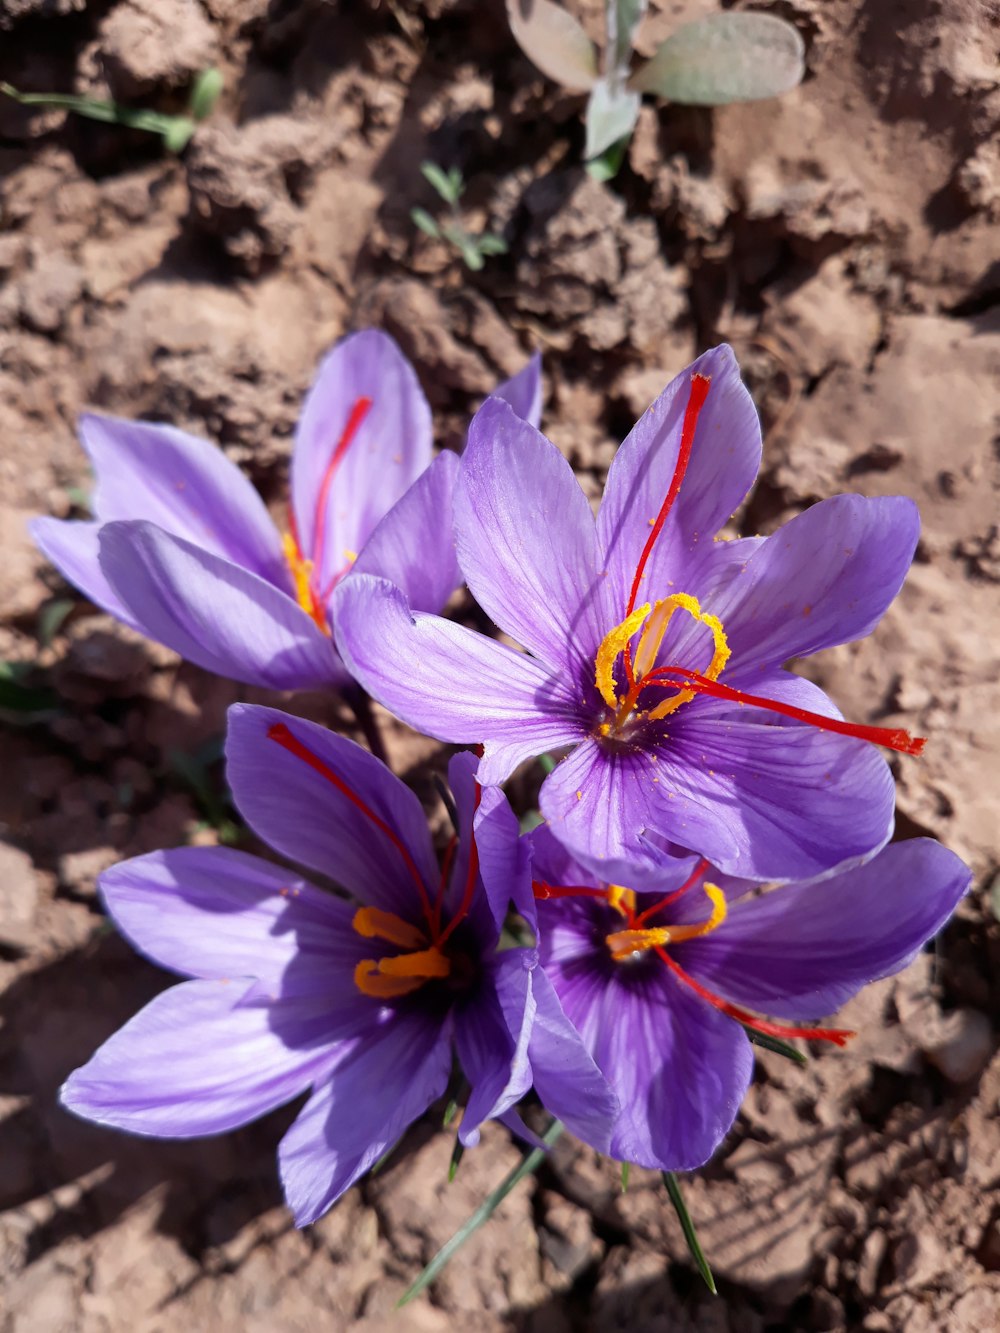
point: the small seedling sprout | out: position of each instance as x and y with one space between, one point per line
176 131
737 57
474 249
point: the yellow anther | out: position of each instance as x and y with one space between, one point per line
374 924
612 645
626 943
621 899
719 910
301 570
392 977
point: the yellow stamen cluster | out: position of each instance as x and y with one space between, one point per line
625 944
389 978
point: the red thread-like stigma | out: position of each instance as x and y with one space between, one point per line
357 415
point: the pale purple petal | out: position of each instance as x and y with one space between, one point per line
824 578
554 863
492 1029
186 486
73 547
527 543
446 680
414 545
564 1074
390 449
194 1061
216 614
803 950
214 912
306 817
760 801
381 1088
724 460
524 391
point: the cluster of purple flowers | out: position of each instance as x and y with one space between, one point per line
713 851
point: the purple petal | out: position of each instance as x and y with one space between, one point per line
824 578
724 460
678 1067
565 1076
390 449
449 681
194 1061
217 913
347 1125
527 543
524 391
73 548
306 817
804 949
554 863
215 614
759 801
185 486
504 860
491 1040
414 545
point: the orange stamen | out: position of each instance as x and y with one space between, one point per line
374 924
838 1036
696 401
392 977
893 738
279 732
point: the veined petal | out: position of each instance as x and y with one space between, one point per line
524 391
373 1095
491 1039
194 1061
527 543
73 547
565 1075
185 486
218 615
388 452
826 577
724 461
304 816
446 680
214 912
802 950
414 545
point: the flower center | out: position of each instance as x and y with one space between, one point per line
310 595
618 641
683 683
423 957
635 940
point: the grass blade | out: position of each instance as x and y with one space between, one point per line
482 1214
687 1226
769 1043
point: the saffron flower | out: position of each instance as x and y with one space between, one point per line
655 654
184 550
661 986
363 1001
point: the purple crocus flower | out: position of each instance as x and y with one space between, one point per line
630 622
362 1000
660 987
183 549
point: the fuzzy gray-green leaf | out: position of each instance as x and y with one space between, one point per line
554 42
726 58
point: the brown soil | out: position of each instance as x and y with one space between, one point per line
844 239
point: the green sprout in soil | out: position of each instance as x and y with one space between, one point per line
736 57
474 249
176 131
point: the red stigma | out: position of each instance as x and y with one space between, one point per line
359 411
470 876
689 883
279 732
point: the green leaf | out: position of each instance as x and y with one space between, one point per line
456 182
443 183
607 166
490 244
23 699
625 1172
687 1226
422 219
624 16
482 1214
611 117
457 1153
466 245
726 58
547 763
204 94
554 42
51 619
769 1043
175 130
177 135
